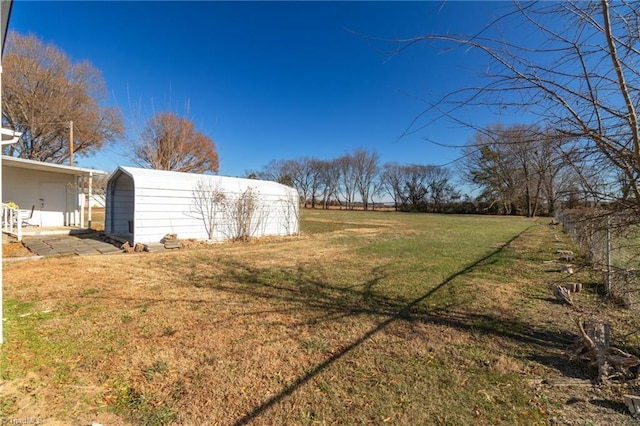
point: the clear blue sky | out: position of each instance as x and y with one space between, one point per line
271 80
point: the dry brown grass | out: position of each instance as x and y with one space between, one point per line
14 249
97 218
354 324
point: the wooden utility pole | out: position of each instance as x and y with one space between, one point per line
71 143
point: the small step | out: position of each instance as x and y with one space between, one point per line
154 247
172 244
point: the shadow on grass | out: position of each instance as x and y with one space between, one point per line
620 407
304 289
333 302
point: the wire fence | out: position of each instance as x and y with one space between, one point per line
611 243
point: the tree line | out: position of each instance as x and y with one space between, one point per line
524 170
358 179
515 170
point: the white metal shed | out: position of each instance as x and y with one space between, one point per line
144 205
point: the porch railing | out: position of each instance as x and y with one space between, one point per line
12 221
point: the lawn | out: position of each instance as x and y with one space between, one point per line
97 218
366 318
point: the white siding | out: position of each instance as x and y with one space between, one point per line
163 204
50 194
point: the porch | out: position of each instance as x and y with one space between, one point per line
55 230
15 223
46 199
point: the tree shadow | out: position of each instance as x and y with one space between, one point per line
561 363
303 288
620 407
335 301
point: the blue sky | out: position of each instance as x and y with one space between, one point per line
272 80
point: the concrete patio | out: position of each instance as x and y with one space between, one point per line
82 244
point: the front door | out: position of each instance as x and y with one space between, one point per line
53 203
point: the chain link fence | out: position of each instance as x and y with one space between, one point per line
611 242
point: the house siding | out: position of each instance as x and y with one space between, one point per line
50 195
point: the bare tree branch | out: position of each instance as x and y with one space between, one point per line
43 91
169 142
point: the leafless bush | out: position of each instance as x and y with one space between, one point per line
207 204
246 215
290 207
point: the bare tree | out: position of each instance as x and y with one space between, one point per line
412 186
99 185
523 168
301 174
330 180
439 187
316 170
365 172
489 163
275 171
207 204
579 78
169 142
552 161
524 142
377 189
307 175
42 92
391 178
347 179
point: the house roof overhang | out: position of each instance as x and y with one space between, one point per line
5 11
50 167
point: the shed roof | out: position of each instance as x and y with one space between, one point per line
151 178
50 167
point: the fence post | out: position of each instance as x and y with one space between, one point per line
19 225
608 254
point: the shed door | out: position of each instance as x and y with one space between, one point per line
53 203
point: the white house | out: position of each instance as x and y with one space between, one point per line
47 194
144 205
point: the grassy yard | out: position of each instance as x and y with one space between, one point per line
97 218
367 318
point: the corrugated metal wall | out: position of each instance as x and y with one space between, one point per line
163 203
